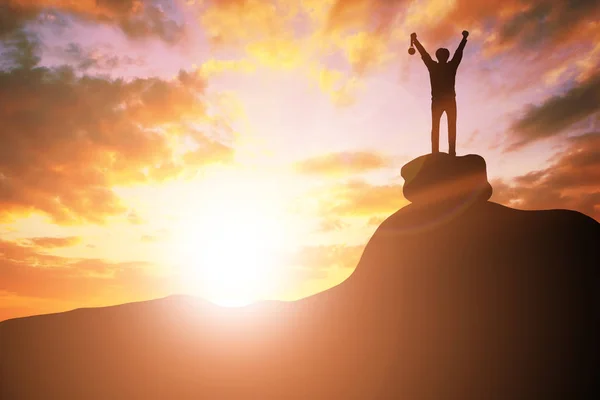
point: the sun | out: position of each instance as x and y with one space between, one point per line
229 241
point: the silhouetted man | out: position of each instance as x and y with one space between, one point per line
443 97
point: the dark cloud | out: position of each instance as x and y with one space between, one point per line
20 50
343 163
572 181
13 16
85 59
136 18
558 113
547 21
67 140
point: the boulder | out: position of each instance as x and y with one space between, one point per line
440 177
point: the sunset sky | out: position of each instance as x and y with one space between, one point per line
240 150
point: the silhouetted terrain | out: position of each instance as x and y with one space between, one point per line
457 298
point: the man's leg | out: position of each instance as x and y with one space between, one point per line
451 113
436 115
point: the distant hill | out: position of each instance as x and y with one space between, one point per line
455 297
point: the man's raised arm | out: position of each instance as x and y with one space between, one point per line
459 51
424 55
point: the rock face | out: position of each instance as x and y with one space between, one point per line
439 177
452 299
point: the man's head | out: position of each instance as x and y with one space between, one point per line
442 55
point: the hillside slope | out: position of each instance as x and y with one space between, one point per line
455 297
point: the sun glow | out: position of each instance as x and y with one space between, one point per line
228 246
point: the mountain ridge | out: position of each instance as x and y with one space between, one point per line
462 298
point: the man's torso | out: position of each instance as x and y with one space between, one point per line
442 77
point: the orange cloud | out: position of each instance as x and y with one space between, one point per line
14 306
157 236
375 221
67 140
284 34
331 224
136 18
538 29
325 257
340 87
572 181
53 242
238 22
214 67
366 50
36 282
372 15
344 163
361 199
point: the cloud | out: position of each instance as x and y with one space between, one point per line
539 44
558 113
149 239
375 221
68 140
543 34
368 31
548 21
20 50
572 181
134 218
343 163
53 242
238 22
284 34
136 18
374 15
215 67
366 50
84 59
325 257
341 87
211 152
331 224
511 25
364 31
358 198
264 30
155 237
13 16
366 34
14 306
39 282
